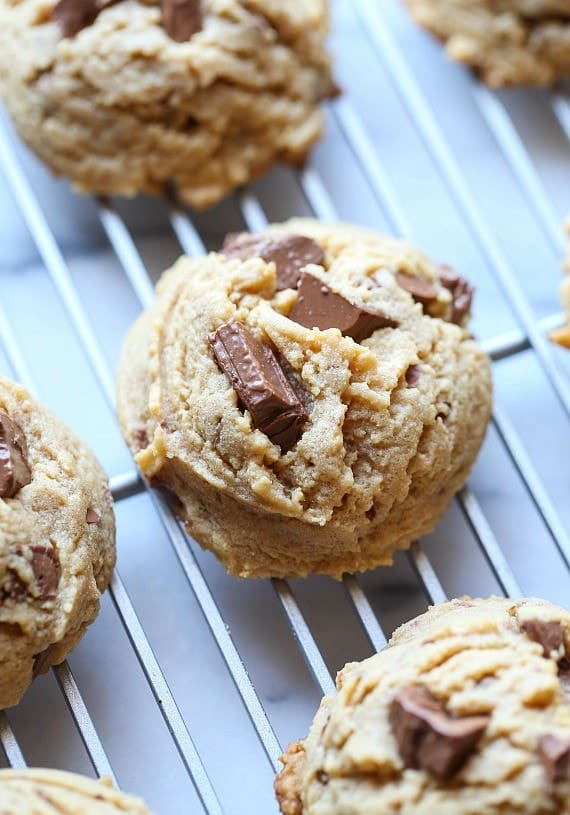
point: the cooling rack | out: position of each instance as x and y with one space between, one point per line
190 683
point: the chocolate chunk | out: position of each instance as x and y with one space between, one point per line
46 570
554 754
182 19
260 382
15 471
413 375
422 290
323 777
73 15
318 306
428 737
462 292
290 253
548 634
41 661
92 517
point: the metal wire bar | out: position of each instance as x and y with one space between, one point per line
57 268
124 246
125 485
561 108
426 574
369 621
10 745
513 342
430 132
84 722
301 630
514 151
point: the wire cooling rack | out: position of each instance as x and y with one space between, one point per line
190 683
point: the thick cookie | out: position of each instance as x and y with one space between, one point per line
57 540
294 448
123 96
466 712
562 335
49 792
508 42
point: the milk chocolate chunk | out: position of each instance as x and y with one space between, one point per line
549 634
422 290
46 570
428 737
15 471
554 754
260 382
92 517
73 15
318 306
290 253
462 292
413 375
182 19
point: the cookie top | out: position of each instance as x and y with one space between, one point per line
57 539
124 96
310 373
466 711
50 792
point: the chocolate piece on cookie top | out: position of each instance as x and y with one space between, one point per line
461 291
428 736
259 379
290 253
318 306
549 634
554 754
46 569
181 19
421 289
15 471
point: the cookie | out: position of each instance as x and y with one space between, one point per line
562 335
310 395
50 792
124 96
507 42
466 711
57 540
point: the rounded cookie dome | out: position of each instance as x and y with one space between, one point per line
123 96
57 540
50 792
294 448
465 712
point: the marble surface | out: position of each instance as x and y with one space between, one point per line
109 676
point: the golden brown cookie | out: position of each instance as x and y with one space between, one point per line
124 96
466 711
310 395
57 540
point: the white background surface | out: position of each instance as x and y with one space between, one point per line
135 737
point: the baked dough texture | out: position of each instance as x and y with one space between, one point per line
507 42
122 108
394 421
57 544
478 657
50 792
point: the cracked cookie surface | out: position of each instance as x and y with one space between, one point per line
507 42
503 664
380 432
57 540
120 107
50 792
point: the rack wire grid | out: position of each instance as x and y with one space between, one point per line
190 683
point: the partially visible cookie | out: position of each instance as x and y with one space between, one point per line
466 712
507 42
57 540
50 792
125 96
309 394
562 335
